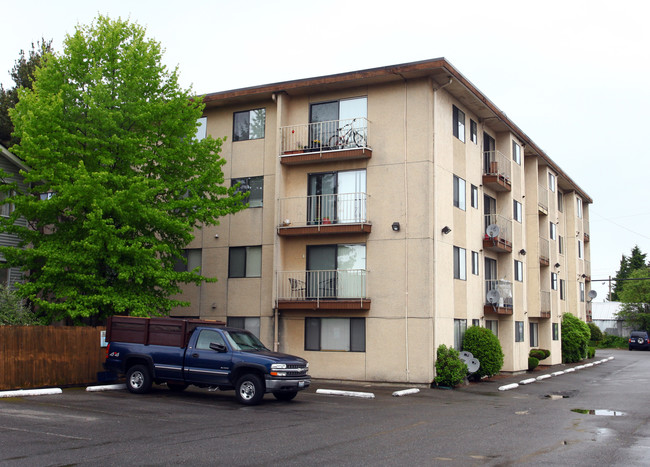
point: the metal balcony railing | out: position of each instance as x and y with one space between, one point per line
545 301
340 208
333 135
542 198
544 250
504 290
504 224
498 164
321 284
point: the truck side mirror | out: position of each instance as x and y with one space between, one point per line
218 347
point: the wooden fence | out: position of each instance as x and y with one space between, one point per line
41 356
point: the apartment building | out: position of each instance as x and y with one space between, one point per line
390 209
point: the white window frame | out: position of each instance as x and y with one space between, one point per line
519 271
460 263
460 196
459 123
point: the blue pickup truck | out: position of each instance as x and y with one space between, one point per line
180 352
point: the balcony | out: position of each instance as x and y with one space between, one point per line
336 140
341 213
544 252
542 200
497 169
585 226
499 238
498 297
544 304
322 290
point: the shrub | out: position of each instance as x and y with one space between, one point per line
532 363
450 369
591 352
547 353
575 336
613 342
539 354
13 310
596 333
486 348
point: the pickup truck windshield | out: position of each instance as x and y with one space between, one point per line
243 340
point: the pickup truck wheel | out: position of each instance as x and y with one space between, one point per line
138 379
249 390
285 395
177 387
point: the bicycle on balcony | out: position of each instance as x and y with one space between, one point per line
347 136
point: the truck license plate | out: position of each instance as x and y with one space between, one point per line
301 384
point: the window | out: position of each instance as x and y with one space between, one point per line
473 131
519 331
553 230
459 192
519 271
255 185
7 208
251 324
560 244
335 334
562 289
475 263
580 249
476 322
459 124
460 326
201 129
492 325
516 153
48 195
336 197
556 331
582 291
191 260
474 196
554 281
579 207
245 261
327 118
516 210
534 334
336 271
207 337
249 125
460 266
560 201
551 182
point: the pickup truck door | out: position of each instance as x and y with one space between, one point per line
206 366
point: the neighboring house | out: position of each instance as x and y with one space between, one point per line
391 208
11 165
603 315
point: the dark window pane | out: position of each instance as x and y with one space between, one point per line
312 333
241 126
236 322
357 334
237 263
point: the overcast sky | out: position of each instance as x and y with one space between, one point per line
572 74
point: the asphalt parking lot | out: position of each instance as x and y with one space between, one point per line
475 425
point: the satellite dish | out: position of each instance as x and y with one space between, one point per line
492 230
493 296
472 364
465 355
592 294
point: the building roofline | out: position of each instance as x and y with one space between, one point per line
419 68
13 158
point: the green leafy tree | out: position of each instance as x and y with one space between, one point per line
636 260
635 296
118 180
13 310
575 337
486 348
22 74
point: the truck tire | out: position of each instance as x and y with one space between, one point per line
249 389
138 379
285 395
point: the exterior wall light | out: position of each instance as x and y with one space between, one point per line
446 229
395 226
557 265
522 252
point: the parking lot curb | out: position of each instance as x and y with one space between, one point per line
106 387
30 392
405 392
334 392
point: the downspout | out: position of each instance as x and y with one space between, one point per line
406 242
277 98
